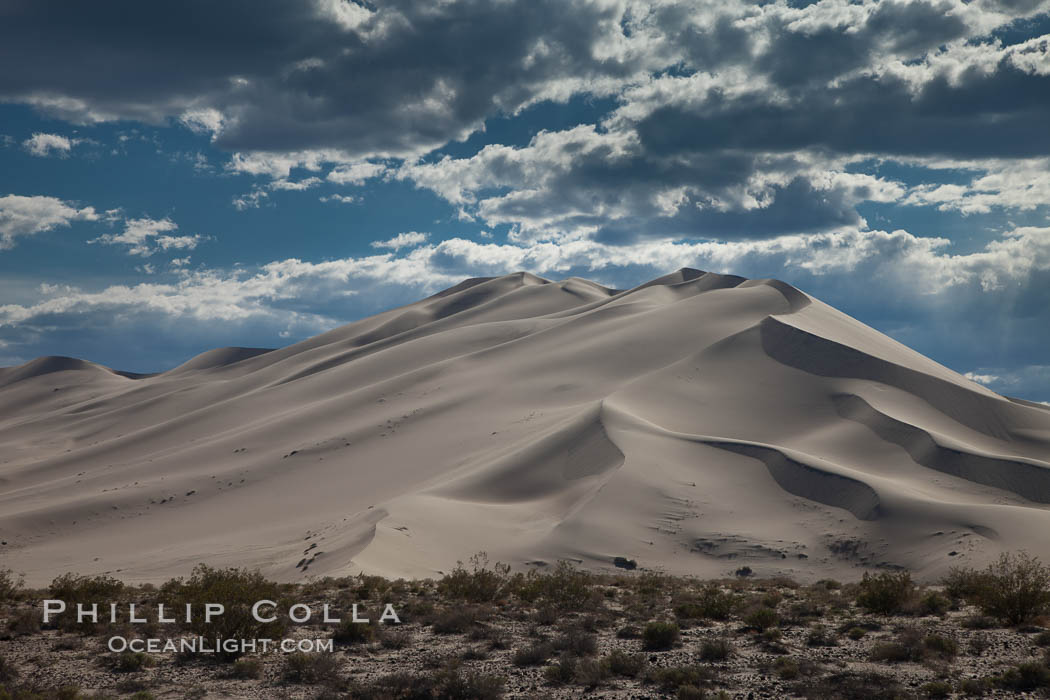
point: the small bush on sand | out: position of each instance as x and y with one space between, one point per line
761 618
237 590
933 603
821 636
131 662
1017 589
349 633
711 603
446 682
660 636
852 685
10 585
246 669
936 689
590 673
532 655
8 671
885 593
620 663
480 584
577 642
1030 675
561 672
311 668
455 620
974 687
86 590
719 649
941 645
670 679
563 588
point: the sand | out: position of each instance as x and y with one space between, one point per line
694 424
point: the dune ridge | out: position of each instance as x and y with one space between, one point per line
694 423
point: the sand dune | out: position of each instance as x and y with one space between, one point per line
695 424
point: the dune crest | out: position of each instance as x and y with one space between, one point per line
695 423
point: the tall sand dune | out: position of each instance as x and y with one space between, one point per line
695 424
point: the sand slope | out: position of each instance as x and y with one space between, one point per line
697 423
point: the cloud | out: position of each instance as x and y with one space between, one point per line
44 145
584 182
339 198
389 81
299 186
250 200
356 173
982 378
919 282
145 237
25 216
402 240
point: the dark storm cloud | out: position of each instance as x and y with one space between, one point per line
1002 114
288 76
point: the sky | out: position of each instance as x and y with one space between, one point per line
183 176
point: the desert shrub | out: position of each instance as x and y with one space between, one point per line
933 603
979 643
909 645
787 668
1027 676
86 590
24 622
8 671
590 673
237 590
761 618
885 593
718 649
1043 639
974 687
246 668
453 683
941 645
10 585
67 644
821 636
447 682
577 642
561 672
481 584
660 636
455 620
349 633
131 662
691 692
301 667
936 689
963 583
856 633
893 652
1017 589
532 655
620 663
978 622
628 632
671 678
804 610
398 639
564 588
852 685
710 603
